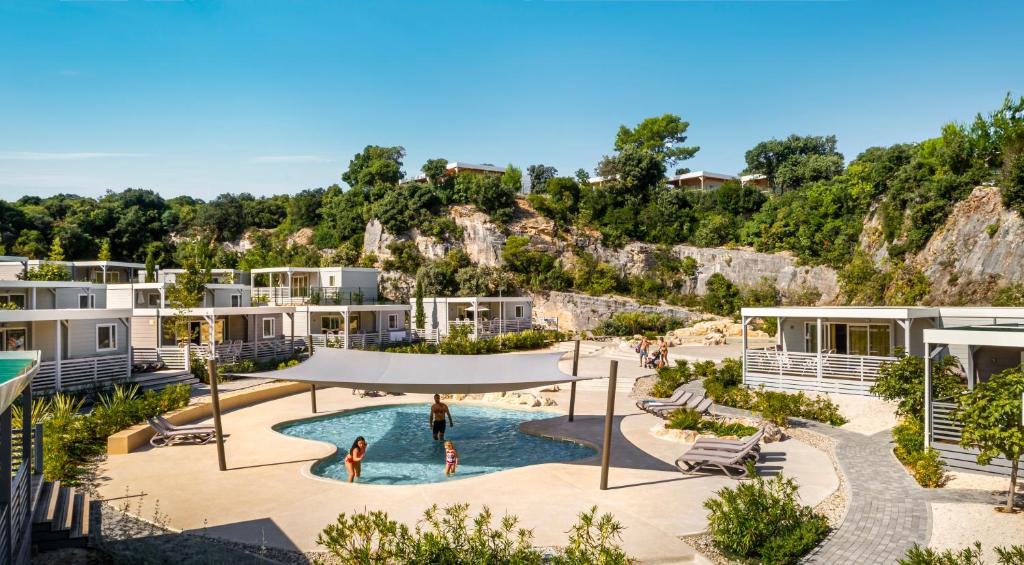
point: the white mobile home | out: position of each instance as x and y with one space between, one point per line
82 342
282 286
481 316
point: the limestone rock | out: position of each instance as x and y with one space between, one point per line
772 433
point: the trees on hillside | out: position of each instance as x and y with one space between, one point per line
662 136
795 161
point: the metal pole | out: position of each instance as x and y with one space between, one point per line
211 369
312 396
609 416
575 372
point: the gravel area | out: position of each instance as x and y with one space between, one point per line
867 415
981 481
833 507
643 385
958 525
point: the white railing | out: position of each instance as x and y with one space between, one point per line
944 427
431 335
360 340
488 328
249 350
172 357
852 374
80 374
285 296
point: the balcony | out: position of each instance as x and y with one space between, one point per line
819 372
301 295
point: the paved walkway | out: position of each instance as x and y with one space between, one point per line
888 511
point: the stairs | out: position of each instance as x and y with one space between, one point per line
60 516
161 379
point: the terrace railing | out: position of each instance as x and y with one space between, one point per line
88 373
849 374
361 340
327 295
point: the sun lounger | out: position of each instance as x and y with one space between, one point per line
697 403
178 434
752 442
679 397
732 463
175 427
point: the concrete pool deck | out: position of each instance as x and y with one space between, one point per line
269 497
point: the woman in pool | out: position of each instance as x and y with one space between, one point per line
451 458
354 459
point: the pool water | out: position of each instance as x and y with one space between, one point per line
9 368
400 449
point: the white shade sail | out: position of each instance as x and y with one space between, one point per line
425 373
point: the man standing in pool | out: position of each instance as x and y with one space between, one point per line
437 414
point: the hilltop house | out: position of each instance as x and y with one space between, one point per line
279 286
699 180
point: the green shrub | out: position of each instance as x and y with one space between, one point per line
639 323
762 520
459 342
688 419
724 386
918 555
71 438
449 536
703 369
671 378
928 469
721 296
902 381
924 465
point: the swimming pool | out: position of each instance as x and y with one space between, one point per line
401 451
11 367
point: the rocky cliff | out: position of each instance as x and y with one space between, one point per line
572 311
979 248
483 242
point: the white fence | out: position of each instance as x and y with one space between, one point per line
80 374
360 340
249 350
172 357
846 374
946 433
490 328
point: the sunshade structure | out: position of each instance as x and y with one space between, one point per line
424 373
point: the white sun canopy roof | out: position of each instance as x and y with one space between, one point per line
425 373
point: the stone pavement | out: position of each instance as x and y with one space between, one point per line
888 511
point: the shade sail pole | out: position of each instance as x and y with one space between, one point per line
575 372
609 416
312 396
211 370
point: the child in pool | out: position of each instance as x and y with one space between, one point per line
451 458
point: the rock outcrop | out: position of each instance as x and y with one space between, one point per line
577 312
980 247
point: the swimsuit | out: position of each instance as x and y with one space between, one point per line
449 456
439 426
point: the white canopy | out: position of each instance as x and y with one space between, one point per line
425 373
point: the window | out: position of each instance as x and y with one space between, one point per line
113 277
268 327
330 281
850 339
86 300
106 337
392 321
154 301
330 323
13 339
17 299
520 311
236 300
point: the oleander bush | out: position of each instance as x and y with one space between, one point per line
449 535
763 521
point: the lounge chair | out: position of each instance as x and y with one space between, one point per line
697 403
169 434
678 397
752 442
732 463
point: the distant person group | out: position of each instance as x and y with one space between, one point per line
656 359
440 420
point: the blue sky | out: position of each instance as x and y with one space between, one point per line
207 97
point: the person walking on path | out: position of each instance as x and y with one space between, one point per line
437 415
